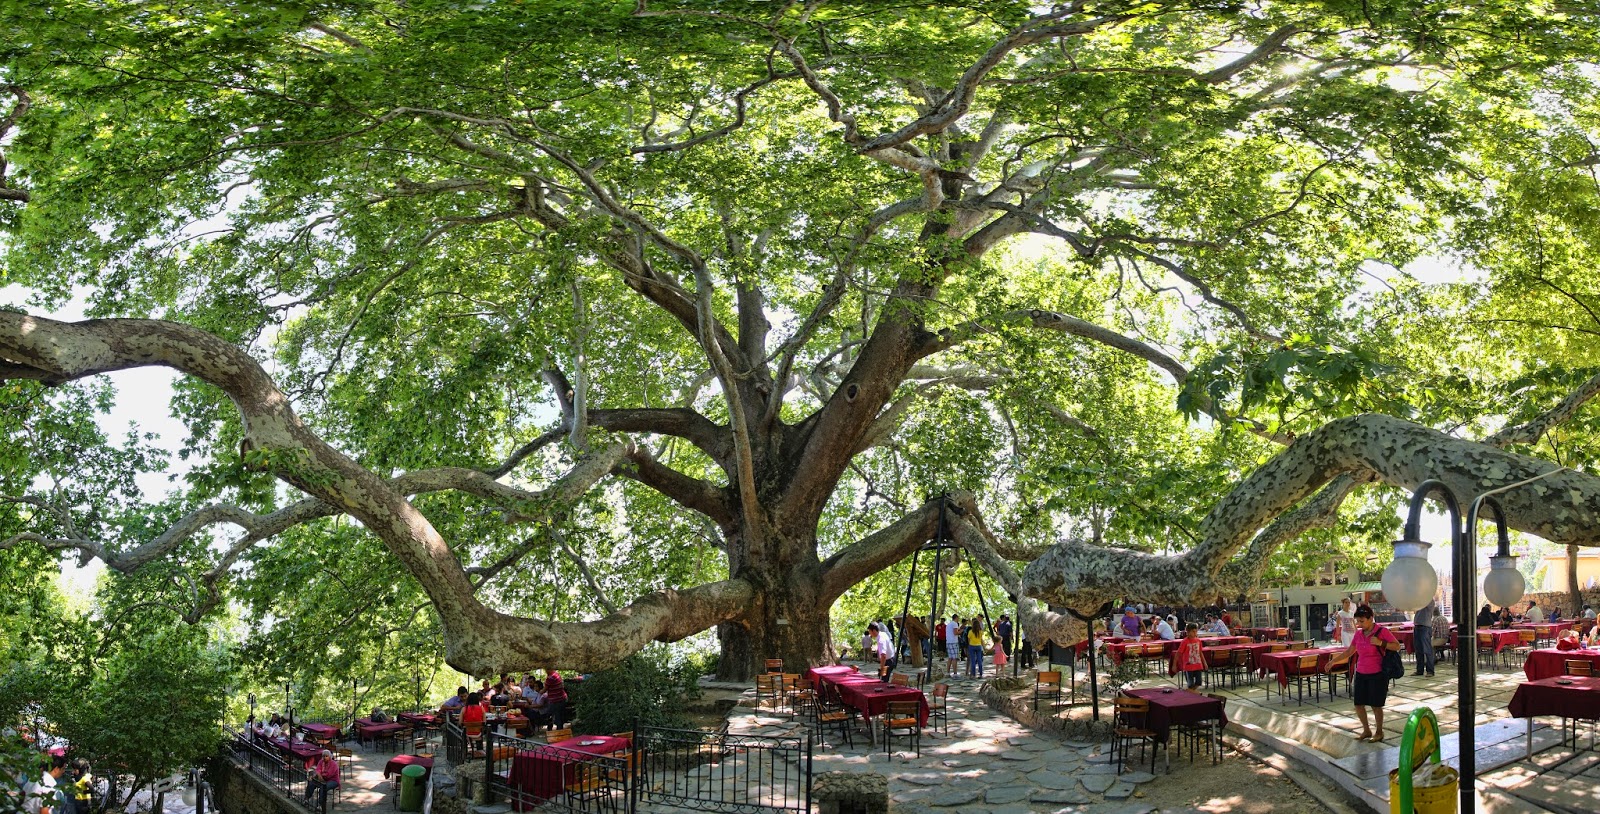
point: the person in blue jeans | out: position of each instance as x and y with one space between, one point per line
975 648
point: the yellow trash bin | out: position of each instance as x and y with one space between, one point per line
1428 800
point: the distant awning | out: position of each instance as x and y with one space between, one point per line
1361 587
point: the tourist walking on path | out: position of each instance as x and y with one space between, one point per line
952 645
1345 630
1372 686
1422 636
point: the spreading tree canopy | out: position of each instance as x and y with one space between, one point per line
716 304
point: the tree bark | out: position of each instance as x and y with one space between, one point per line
1574 594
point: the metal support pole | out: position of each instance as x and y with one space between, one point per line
933 602
1094 683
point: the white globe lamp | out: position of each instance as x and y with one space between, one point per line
1503 585
1409 583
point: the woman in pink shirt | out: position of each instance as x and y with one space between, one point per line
1371 686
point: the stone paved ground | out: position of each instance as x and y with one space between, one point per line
994 764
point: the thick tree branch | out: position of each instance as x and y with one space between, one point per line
878 550
694 494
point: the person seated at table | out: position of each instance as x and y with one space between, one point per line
498 697
1486 617
1504 619
473 711
534 704
1534 613
1164 630
378 716
454 703
1588 612
321 776
275 726
1215 625
1569 640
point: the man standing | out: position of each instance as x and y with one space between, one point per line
1422 636
886 652
43 796
555 697
1130 623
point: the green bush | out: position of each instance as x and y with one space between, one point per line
648 688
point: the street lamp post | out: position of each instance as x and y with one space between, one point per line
1409 583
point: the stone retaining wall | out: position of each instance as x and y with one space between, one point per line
997 695
238 791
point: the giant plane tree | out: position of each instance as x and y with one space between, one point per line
718 303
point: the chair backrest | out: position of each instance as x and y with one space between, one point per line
1308 663
1048 678
900 680
556 735
1277 647
1579 667
1131 710
1527 635
769 683
1241 657
472 730
898 710
774 665
1486 640
941 690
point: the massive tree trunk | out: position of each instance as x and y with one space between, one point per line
788 619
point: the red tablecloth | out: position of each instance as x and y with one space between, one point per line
547 771
1287 662
1267 632
1580 699
424 718
305 750
371 731
1502 638
1169 707
1119 650
399 762
324 730
815 675
1549 662
1218 656
1544 630
871 697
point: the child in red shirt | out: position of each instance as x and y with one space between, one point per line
1191 658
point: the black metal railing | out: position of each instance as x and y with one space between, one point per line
455 742
714 771
265 762
555 778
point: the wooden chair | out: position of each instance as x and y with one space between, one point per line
1131 717
347 761
774 665
474 735
558 735
1047 683
900 680
769 690
831 713
1208 730
588 783
1277 647
1486 652
939 705
902 718
1526 640
1579 667
1239 667
1306 670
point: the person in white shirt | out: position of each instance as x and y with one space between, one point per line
1215 625
1345 631
887 661
1165 630
1588 612
1535 613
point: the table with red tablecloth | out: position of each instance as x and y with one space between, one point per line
1210 648
1573 697
871 697
1286 663
1222 654
1170 707
1119 651
1082 647
1543 630
1549 662
399 762
816 675
321 730
546 772
419 718
1266 633
376 732
305 751
1502 638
